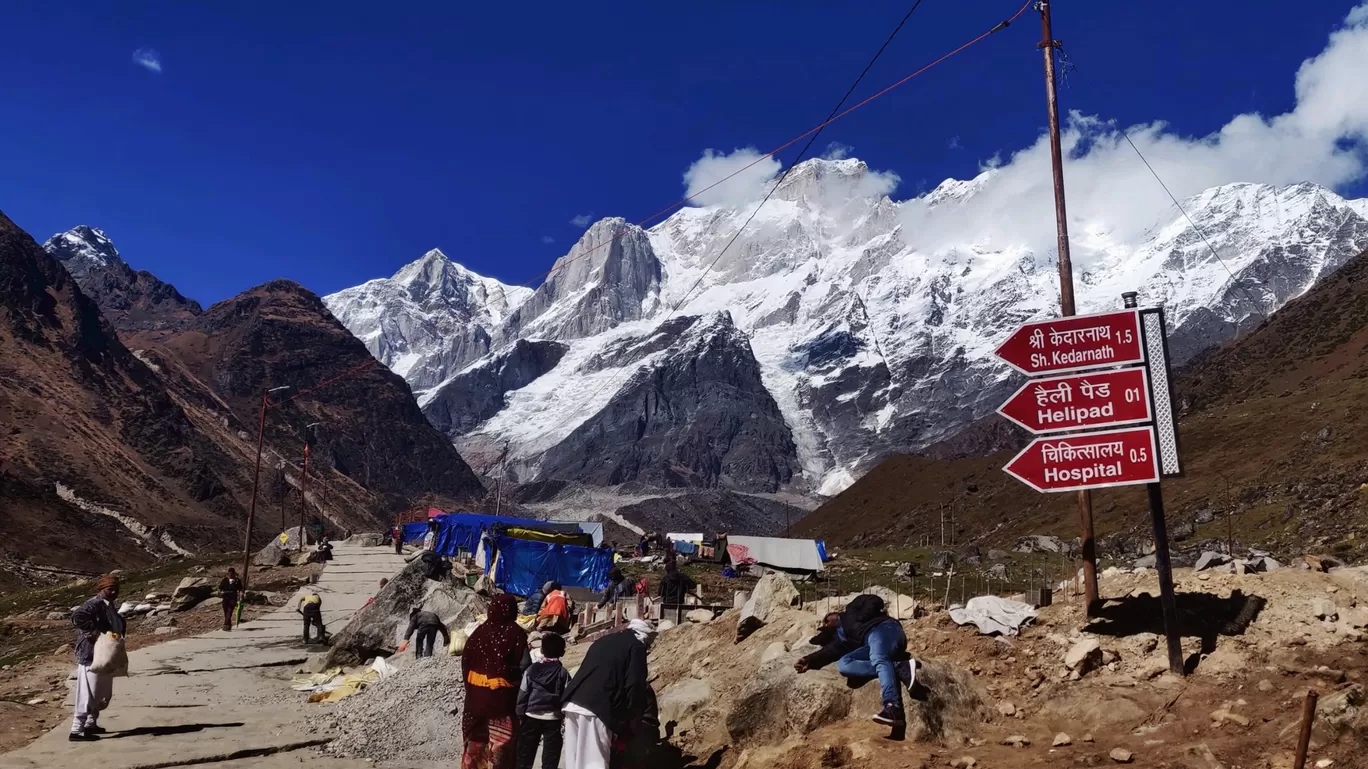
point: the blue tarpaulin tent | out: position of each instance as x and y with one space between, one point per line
457 531
524 565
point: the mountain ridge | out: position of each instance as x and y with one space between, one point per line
869 343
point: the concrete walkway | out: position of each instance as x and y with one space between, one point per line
221 698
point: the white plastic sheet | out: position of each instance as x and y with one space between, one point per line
991 614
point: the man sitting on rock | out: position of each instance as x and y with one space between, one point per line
866 643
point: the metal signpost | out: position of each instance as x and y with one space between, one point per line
1112 424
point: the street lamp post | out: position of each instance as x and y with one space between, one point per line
251 506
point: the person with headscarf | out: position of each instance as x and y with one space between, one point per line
608 694
92 619
230 588
491 665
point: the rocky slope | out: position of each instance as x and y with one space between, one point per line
870 328
365 423
100 465
152 448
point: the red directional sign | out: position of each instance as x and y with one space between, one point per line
1087 461
1075 343
1098 399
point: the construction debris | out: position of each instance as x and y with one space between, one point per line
409 717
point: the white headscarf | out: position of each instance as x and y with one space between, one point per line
643 630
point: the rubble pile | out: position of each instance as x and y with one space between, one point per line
409 717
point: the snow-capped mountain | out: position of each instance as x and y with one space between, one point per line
832 332
133 300
430 318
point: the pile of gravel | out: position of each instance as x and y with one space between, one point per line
412 716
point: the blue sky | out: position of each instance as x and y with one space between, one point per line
224 144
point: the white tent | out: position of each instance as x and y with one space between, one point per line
776 552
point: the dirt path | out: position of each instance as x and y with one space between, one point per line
219 698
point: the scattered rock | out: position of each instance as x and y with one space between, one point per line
36 701
1006 708
1325 763
1061 740
775 651
998 555
1083 656
699 616
1121 755
1146 562
1356 617
965 762
1266 686
943 561
1110 657
63 649
1037 543
778 702
164 630
1324 608
1016 741
905 571
664 625
58 615
190 592
1088 737
1209 559
1224 714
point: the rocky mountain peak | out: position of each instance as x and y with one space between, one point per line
132 300
610 275
82 249
822 182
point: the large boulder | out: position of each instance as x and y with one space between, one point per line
279 550
378 628
678 703
773 591
778 702
953 709
190 592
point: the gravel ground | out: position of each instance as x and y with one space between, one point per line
412 716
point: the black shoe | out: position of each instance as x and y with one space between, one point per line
918 691
891 715
95 730
81 737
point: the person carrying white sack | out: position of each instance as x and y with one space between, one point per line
93 619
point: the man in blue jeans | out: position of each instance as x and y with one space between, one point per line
866 643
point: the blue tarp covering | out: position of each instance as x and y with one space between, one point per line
821 550
524 565
463 530
414 532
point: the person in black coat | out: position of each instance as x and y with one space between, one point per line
866 643
427 625
607 695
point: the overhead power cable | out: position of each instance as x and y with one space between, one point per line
836 115
1253 304
811 135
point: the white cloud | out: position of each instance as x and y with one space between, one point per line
837 151
1323 139
704 179
547 239
583 220
148 59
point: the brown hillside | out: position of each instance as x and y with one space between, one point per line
370 428
1272 434
164 433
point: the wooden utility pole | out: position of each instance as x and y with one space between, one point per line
1066 290
251 506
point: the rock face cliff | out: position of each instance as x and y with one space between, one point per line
871 329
